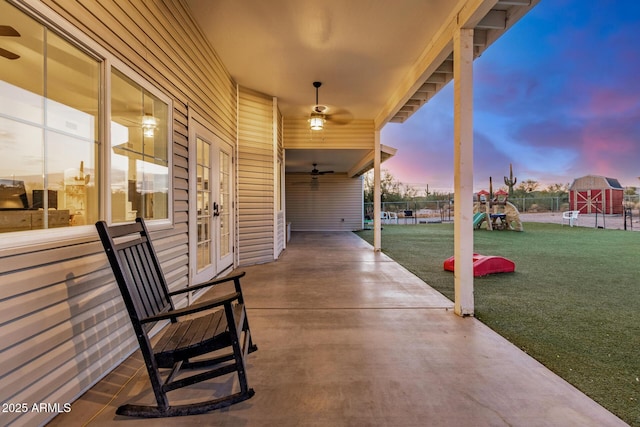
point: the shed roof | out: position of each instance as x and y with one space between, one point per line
590 182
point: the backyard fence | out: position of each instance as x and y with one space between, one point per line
444 208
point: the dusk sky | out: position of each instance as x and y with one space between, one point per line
558 96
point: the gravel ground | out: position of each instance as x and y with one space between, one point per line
614 222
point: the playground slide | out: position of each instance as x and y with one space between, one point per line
478 218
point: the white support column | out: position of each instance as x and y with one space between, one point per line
463 170
377 226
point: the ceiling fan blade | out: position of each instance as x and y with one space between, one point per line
8 55
339 117
315 172
8 31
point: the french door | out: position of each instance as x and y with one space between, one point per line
210 202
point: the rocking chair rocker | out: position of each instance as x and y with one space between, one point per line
222 332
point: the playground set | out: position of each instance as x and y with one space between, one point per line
497 212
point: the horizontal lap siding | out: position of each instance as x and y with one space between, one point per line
63 323
255 178
329 203
357 134
332 202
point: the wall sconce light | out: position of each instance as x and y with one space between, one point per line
149 123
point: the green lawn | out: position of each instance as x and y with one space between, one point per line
573 302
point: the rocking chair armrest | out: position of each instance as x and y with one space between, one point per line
210 283
194 308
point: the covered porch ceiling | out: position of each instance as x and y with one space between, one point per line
378 60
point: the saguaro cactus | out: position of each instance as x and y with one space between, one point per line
511 181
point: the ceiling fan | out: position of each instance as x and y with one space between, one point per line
323 113
315 173
8 31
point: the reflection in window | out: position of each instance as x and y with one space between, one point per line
49 127
139 152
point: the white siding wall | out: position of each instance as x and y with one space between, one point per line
329 203
255 178
63 324
333 202
358 134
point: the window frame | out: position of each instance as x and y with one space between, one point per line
31 240
105 211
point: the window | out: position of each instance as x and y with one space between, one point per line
49 127
51 115
139 152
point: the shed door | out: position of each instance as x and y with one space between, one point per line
590 201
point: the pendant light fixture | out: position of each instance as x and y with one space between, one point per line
317 119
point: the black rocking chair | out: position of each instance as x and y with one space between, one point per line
216 328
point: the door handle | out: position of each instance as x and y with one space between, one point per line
216 211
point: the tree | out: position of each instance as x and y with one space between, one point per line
408 192
557 189
391 190
527 187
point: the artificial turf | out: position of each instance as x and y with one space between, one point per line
573 302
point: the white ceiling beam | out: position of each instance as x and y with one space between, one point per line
514 2
479 37
494 20
366 163
428 88
446 67
437 78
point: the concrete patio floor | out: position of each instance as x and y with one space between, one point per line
348 337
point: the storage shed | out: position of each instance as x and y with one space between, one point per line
596 194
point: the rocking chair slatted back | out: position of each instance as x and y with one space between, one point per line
146 289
